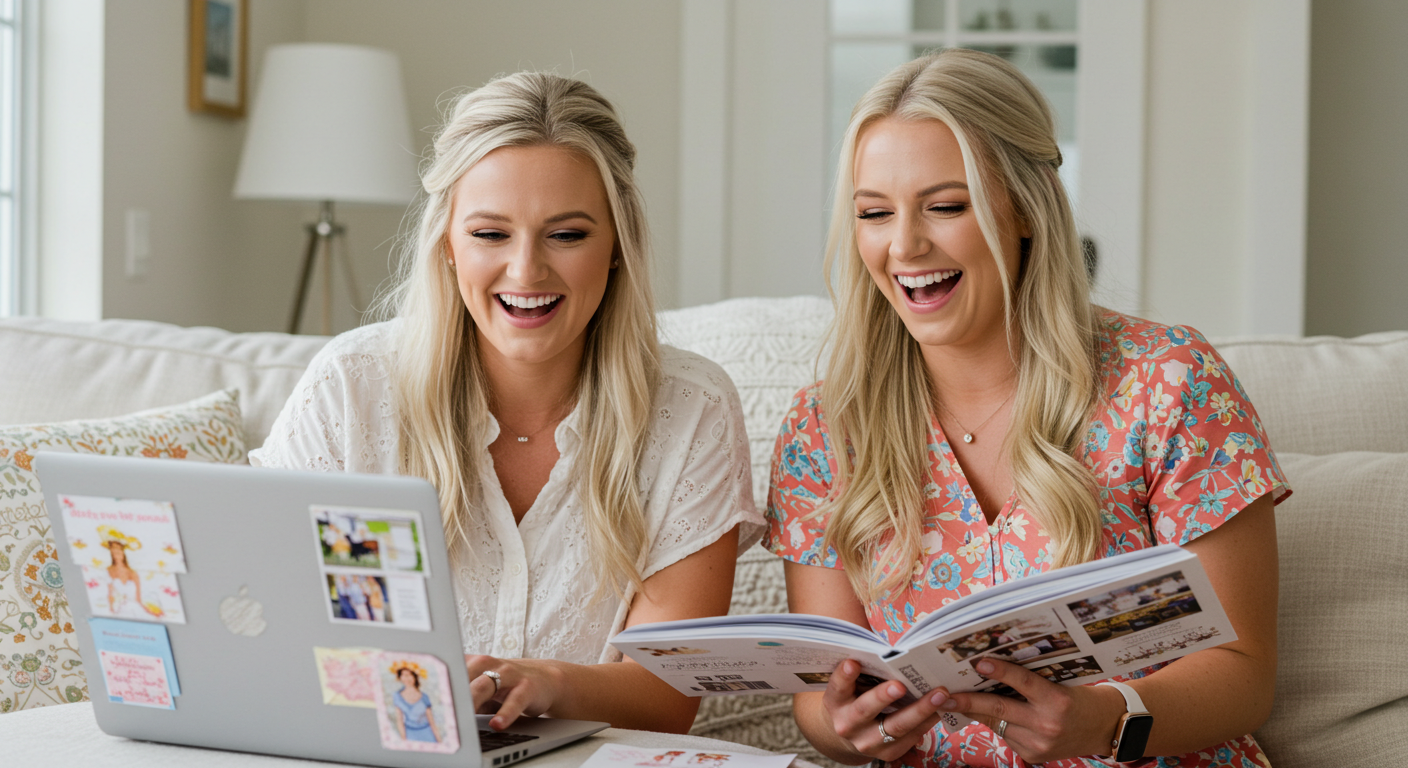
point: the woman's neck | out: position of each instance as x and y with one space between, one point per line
530 393
973 374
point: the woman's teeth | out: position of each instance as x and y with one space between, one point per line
919 281
528 302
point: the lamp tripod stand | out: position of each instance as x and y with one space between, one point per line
322 237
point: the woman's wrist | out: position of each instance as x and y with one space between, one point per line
1109 707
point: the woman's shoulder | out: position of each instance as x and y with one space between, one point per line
1144 349
376 340
678 366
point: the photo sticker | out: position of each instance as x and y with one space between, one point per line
116 591
386 601
141 534
347 676
372 539
1134 608
414 709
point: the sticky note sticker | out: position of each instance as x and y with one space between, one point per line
128 594
123 534
131 637
347 676
137 680
414 709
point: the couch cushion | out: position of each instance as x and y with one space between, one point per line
70 370
1342 676
39 663
1323 394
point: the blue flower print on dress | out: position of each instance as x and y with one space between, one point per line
945 572
963 494
1134 443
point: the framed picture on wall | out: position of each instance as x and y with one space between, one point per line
219 48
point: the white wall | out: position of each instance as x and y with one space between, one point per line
1358 254
627 49
214 261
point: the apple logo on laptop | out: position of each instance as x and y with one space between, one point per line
242 614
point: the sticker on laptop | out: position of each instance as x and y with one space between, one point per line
381 540
117 591
414 710
140 533
373 566
620 756
136 661
347 676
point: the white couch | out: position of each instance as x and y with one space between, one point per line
1336 411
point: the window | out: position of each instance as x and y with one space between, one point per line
870 37
16 161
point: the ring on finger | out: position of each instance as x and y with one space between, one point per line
1002 729
492 675
885 738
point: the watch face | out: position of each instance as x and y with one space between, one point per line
1134 734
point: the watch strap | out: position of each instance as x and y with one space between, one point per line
1132 703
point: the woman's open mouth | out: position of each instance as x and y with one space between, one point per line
529 307
931 287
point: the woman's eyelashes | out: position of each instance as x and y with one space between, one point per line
942 209
567 236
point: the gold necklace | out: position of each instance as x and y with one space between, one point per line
968 433
524 438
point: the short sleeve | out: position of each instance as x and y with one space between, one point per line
1205 454
340 417
802 469
713 491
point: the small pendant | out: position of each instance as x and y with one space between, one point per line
968 438
522 439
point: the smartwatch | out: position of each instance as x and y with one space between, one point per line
1132 733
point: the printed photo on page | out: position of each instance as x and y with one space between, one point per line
141 534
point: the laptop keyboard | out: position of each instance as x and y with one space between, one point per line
495 739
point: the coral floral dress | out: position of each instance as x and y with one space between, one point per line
1176 450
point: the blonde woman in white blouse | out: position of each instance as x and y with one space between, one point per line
589 478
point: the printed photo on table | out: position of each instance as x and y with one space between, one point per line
414 709
1003 633
1134 608
375 539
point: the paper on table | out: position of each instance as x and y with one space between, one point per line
133 679
136 638
616 755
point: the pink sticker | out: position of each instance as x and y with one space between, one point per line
414 708
138 680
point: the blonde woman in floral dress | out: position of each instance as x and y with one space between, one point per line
981 421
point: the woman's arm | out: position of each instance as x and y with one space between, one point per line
434 729
624 694
1200 700
838 723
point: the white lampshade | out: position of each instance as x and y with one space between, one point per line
329 122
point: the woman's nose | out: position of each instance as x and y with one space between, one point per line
528 263
907 240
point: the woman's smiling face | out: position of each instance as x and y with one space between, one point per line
532 241
918 234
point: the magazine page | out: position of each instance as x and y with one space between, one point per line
754 664
1080 638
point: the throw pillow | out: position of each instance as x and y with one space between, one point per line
39 661
1342 675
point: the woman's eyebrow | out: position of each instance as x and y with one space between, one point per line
570 215
925 192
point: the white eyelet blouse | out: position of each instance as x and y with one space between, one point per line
526 591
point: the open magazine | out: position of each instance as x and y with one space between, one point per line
1073 626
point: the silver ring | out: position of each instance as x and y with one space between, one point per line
885 738
1001 729
492 675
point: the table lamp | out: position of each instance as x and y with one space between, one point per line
328 123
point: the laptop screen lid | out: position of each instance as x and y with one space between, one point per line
251 545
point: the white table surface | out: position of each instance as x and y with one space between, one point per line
67 735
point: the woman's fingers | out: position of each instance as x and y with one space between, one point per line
858 719
991 709
481 687
516 701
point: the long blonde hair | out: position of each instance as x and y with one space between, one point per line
877 395
441 391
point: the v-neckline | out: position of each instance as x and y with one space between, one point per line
952 458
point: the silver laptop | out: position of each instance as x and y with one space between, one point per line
269 566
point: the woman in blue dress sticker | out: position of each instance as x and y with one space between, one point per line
416 721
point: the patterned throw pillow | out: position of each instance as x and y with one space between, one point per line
39 661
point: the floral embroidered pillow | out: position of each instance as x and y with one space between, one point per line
39 660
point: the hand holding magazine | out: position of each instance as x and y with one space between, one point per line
1072 626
